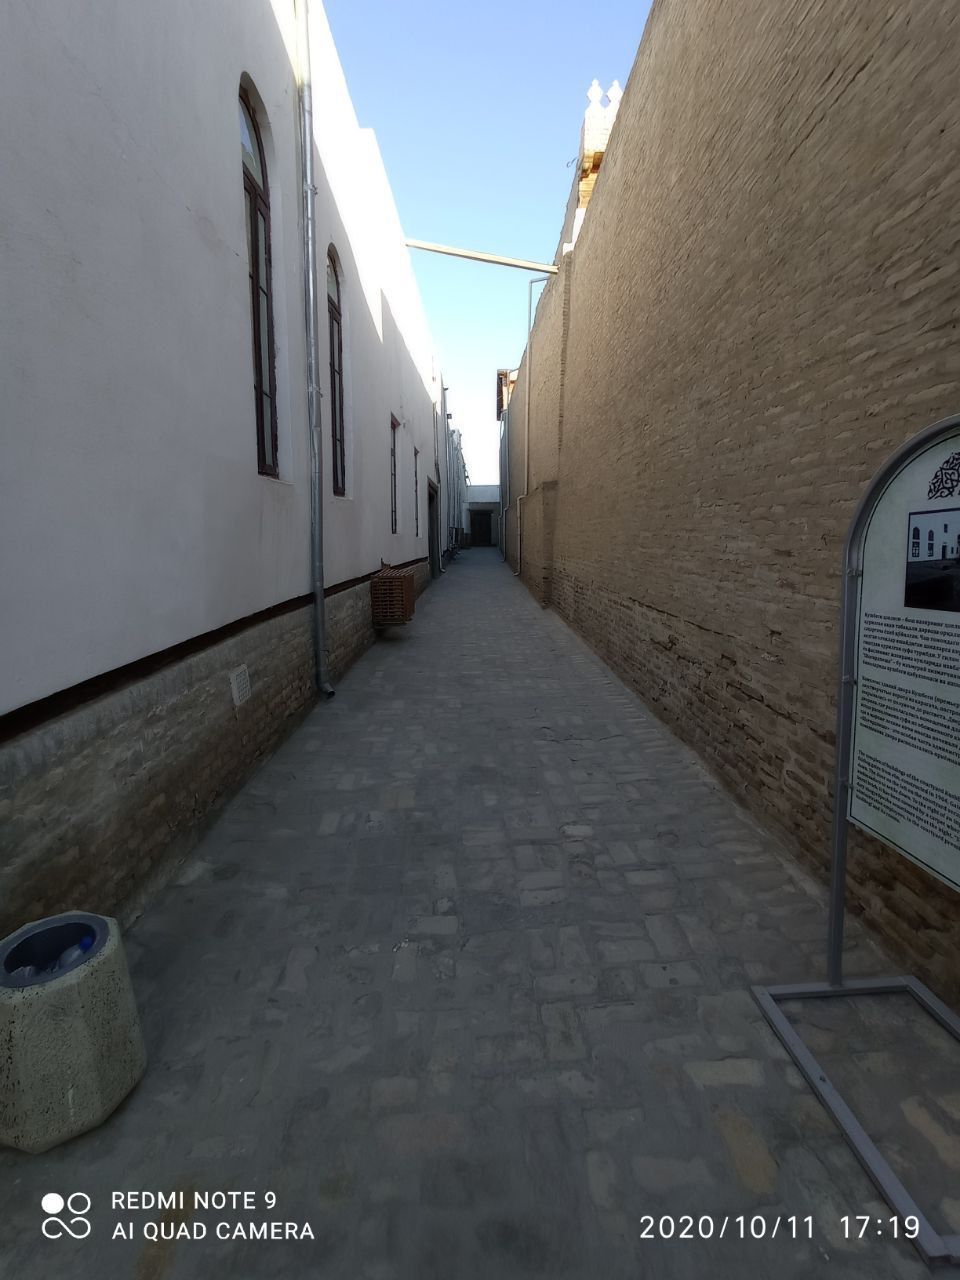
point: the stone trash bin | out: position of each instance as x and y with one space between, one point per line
71 1048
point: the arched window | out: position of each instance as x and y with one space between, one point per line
257 202
336 375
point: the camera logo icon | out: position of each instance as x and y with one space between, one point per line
77 1204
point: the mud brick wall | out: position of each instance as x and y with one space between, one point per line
515 463
763 306
350 633
421 576
99 804
544 363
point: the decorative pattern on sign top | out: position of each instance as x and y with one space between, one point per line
946 482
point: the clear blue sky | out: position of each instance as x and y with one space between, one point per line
477 109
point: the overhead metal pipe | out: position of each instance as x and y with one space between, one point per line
310 292
476 255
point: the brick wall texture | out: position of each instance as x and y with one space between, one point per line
100 803
421 576
543 365
350 633
761 306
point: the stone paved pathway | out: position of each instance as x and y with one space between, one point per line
462 977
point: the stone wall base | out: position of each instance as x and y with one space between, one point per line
100 804
349 615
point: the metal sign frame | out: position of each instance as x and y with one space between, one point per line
934 1247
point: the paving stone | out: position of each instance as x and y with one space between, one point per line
617 984
427 1132
573 953
541 951
819 1185
662 1174
684 1046
445 881
493 1051
671 975
563 1038
295 973
625 951
443 925
950 1207
648 878
549 1087
944 1143
394 1093
605 1125
517 1242
542 857
596 1017
347 1056
750 1155
603 1180
726 1072
407 1023
455 1182
621 854
405 963
667 937
541 897
559 985
541 880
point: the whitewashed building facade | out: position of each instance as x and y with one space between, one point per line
156 493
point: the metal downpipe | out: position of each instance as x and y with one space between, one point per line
305 95
526 417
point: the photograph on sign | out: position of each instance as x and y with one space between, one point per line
933 560
905 758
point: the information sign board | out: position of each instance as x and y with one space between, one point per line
904 760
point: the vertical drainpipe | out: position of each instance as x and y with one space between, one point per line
526 415
506 474
503 488
305 94
440 485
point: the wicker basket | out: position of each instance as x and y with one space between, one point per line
392 597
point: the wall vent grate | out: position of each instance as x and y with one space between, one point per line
240 685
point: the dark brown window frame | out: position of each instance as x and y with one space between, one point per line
394 428
257 205
335 322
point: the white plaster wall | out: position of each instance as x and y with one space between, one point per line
933 522
132 516
388 357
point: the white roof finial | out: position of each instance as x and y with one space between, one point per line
614 94
595 93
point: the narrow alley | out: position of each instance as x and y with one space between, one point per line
462 976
